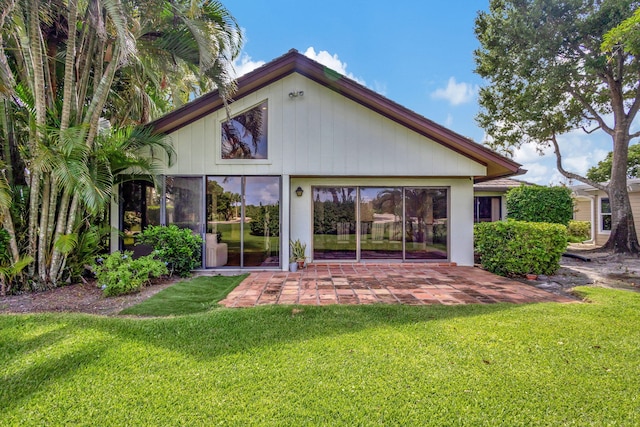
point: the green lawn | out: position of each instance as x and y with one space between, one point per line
538 364
187 297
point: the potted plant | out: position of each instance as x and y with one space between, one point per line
293 265
298 250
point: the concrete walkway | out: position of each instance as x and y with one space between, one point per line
413 284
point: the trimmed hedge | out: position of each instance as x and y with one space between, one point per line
516 248
540 204
579 229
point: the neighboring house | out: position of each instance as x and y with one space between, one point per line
489 201
593 205
312 155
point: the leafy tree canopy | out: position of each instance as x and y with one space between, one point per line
547 75
602 171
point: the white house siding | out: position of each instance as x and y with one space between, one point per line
320 133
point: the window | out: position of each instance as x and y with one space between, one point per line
487 209
375 223
245 135
605 214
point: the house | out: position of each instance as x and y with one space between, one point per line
593 205
489 198
309 154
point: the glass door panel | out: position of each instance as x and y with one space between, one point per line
334 223
426 223
261 221
184 202
140 208
381 223
224 221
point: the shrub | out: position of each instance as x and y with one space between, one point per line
580 230
516 248
540 204
178 247
4 246
120 274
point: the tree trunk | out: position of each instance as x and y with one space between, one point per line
623 237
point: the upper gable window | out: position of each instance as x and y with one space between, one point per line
245 135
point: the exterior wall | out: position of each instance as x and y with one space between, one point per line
460 231
582 210
323 138
320 133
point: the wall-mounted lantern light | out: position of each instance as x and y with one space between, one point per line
299 191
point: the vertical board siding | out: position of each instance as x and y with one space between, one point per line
321 133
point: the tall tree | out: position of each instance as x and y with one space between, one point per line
548 75
68 68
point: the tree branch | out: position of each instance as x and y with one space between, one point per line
592 110
571 175
589 132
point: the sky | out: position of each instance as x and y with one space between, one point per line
417 53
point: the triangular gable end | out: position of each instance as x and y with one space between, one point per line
252 86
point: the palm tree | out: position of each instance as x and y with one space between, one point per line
69 66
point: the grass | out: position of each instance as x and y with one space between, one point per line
187 297
537 364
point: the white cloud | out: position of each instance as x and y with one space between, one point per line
449 121
380 87
244 64
529 153
456 93
331 61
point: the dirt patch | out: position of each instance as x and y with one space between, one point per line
603 268
83 298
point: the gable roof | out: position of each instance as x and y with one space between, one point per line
499 184
294 62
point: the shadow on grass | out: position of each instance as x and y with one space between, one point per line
229 331
30 365
78 339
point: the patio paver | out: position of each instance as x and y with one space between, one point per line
412 284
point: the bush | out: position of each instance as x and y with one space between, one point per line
580 230
540 204
179 248
516 248
120 274
4 246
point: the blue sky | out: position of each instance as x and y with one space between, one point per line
417 53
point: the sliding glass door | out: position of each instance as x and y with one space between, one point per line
380 223
243 221
426 223
334 223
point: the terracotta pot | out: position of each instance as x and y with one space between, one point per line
532 276
300 264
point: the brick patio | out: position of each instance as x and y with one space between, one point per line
413 284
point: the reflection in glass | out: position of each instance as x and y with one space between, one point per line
262 221
243 221
334 223
140 208
184 202
245 135
381 223
426 223
224 215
